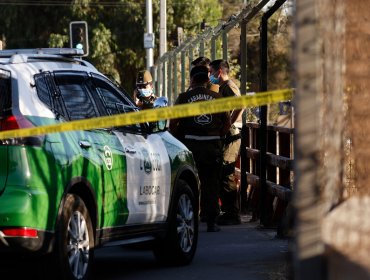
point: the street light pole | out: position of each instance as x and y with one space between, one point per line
149 30
163 28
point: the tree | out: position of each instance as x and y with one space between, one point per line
116 28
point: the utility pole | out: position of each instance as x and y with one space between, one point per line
163 28
161 67
149 35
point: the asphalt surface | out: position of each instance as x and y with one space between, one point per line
236 252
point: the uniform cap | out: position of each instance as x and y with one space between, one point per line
144 77
201 61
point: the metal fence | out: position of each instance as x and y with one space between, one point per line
171 73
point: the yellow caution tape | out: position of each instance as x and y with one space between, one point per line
151 115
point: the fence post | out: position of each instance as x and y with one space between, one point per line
169 79
191 55
263 113
183 71
224 46
263 121
255 163
270 176
244 140
284 140
213 48
201 48
164 77
158 84
175 78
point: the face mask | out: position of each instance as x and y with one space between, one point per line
214 80
145 92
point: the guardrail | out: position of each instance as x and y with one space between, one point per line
271 207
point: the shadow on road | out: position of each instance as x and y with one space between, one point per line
244 252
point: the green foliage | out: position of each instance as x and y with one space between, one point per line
189 14
23 26
116 31
102 55
57 40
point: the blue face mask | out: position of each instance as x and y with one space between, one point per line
145 92
214 80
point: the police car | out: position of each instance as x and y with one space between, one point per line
63 195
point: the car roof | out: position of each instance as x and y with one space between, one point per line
23 64
46 58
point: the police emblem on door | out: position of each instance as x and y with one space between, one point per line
145 162
108 159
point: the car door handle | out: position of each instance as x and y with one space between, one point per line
84 144
130 151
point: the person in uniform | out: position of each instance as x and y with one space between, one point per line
204 61
230 197
200 61
203 135
144 92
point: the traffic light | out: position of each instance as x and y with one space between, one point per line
78 36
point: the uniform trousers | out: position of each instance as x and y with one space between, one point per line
229 190
208 159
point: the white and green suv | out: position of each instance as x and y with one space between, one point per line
63 195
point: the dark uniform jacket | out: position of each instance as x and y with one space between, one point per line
201 127
229 88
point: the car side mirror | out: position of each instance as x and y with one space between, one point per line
160 102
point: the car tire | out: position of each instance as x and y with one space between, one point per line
180 242
74 252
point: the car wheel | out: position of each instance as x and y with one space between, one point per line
179 245
75 240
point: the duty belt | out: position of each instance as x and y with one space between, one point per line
232 138
203 137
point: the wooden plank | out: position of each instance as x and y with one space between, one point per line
273 160
253 153
281 129
280 161
281 192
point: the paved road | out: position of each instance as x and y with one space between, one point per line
237 252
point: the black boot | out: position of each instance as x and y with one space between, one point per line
212 226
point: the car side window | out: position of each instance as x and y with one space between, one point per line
114 101
76 95
67 94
